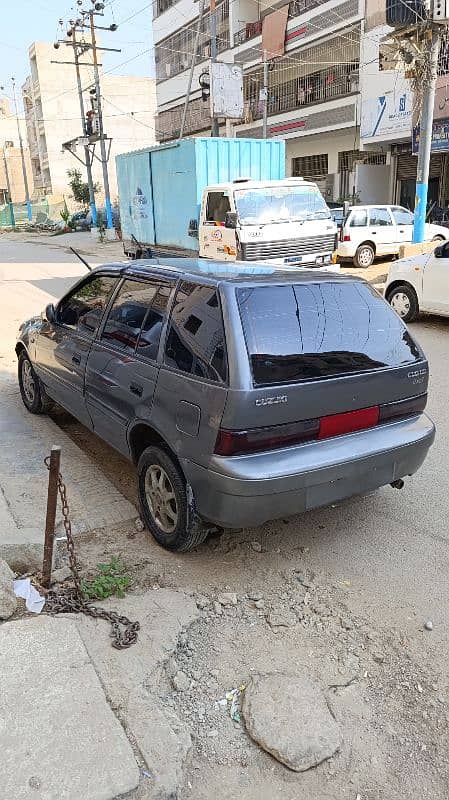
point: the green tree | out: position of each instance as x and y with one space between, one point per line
80 189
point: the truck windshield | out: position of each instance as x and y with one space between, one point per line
280 204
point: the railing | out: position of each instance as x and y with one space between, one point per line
253 29
168 123
300 92
174 54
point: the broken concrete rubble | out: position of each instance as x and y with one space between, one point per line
8 600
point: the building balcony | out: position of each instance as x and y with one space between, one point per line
173 55
168 123
253 29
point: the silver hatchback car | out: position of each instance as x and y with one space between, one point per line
241 394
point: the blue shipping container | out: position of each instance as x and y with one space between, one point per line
160 188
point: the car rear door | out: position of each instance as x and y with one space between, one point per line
122 368
192 385
436 282
317 349
383 230
404 223
63 346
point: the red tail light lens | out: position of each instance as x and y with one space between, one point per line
337 424
253 440
346 237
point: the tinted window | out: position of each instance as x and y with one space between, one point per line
380 216
151 330
195 341
83 309
320 330
359 218
217 206
127 314
402 217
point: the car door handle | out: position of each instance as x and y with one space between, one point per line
135 388
373 233
76 359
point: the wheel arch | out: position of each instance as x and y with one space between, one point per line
398 282
365 242
142 435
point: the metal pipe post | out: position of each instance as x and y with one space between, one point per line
104 162
93 208
265 96
215 130
52 499
425 136
24 171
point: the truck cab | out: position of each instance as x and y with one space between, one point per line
285 222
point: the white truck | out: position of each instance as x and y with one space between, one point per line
170 205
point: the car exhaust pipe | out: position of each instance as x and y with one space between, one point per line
398 484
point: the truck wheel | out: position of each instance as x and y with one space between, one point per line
364 256
163 497
404 301
33 395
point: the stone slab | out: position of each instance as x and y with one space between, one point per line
412 249
58 735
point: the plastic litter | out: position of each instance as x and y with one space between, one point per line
232 702
33 600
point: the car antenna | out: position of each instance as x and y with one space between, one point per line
81 258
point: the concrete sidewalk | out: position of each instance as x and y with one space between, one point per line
84 242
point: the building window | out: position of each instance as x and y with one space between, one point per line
347 161
311 168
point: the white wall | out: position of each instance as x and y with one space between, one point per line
330 143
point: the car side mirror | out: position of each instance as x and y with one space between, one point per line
50 313
231 220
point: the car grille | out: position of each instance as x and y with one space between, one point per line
288 248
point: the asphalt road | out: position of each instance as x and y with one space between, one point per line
391 546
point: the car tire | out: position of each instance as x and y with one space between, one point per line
364 256
32 392
404 301
168 515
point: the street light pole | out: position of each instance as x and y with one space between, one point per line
425 135
93 208
265 96
215 130
104 162
25 178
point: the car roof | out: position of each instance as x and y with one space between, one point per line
217 272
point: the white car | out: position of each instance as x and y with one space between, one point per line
419 284
370 231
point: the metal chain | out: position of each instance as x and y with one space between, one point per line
72 600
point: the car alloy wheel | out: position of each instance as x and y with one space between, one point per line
365 256
400 303
161 498
28 381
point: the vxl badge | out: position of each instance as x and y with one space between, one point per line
417 375
272 401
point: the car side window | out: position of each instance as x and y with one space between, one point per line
150 334
359 218
401 216
195 341
380 217
83 309
127 314
217 206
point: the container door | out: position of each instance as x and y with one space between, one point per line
216 241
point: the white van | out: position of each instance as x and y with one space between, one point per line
379 230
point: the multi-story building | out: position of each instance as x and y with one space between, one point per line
52 115
12 187
323 92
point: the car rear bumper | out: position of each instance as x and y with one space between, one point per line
250 490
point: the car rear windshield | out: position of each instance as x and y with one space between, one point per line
314 331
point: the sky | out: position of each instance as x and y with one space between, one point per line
26 21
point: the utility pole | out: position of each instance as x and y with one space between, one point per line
265 96
425 133
104 161
24 171
8 189
87 158
215 130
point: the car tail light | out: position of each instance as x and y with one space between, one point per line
232 443
403 408
253 440
346 237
